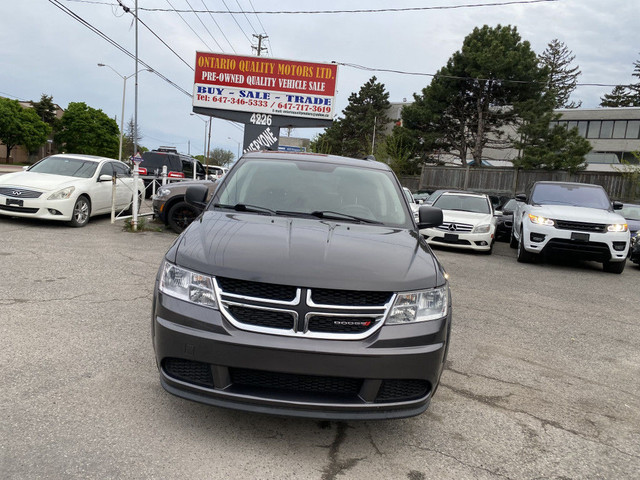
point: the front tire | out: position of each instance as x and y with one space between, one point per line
614 267
181 215
523 255
81 212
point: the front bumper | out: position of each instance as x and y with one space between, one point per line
480 242
159 210
600 247
391 374
40 208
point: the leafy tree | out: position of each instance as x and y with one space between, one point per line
563 78
83 129
21 126
353 135
476 95
624 95
220 156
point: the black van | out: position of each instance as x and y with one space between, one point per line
304 289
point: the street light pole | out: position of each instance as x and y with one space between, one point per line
124 90
238 157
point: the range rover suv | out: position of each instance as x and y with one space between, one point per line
304 289
566 218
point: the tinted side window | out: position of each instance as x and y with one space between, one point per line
187 169
121 169
107 169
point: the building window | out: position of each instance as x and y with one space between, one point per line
594 129
582 128
572 124
619 127
633 129
606 130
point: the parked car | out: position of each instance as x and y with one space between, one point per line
435 195
468 222
631 213
67 187
178 166
420 197
567 218
412 202
170 207
505 220
303 289
634 254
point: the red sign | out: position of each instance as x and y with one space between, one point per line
265 85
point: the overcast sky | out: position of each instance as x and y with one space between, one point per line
44 50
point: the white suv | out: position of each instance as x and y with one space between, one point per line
574 219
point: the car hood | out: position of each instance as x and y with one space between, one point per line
307 253
634 225
577 214
466 217
38 181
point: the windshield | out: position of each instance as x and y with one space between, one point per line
630 212
68 167
289 187
591 196
464 203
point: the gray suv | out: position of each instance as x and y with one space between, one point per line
304 289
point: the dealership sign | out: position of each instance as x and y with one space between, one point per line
265 86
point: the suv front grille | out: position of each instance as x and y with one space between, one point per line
309 312
581 226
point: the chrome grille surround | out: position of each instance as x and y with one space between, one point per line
301 309
459 227
17 192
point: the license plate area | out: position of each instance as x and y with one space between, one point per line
580 237
15 201
450 237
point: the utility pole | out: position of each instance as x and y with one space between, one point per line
259 48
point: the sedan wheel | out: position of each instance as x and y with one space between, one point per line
81 212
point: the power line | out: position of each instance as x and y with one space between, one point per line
188 25
234 19
205 27
454 77
246 18
329 12
219 28
263 29
98 32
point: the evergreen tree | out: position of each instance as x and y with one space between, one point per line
46 109
127 139
563 78
477 94
353 135
624 95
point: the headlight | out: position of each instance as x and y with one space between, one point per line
186 285
163 192
618 227
481 228
541 220
62 194
419 306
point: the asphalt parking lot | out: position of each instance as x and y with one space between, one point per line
542 381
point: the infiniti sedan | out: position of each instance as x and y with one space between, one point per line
68 188
469 222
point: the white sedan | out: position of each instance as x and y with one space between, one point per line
67 187
469 222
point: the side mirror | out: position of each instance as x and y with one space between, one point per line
105 178
196 195
618 205
429 217
521 197
26 167
497 213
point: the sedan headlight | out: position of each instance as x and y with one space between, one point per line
420 306
618 227
541 220
163 192
187 285
482 228
62 194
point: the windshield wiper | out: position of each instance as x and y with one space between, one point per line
342 216
244 207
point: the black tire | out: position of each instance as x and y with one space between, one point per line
180 215
513 243
81 212
523 255
614 267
